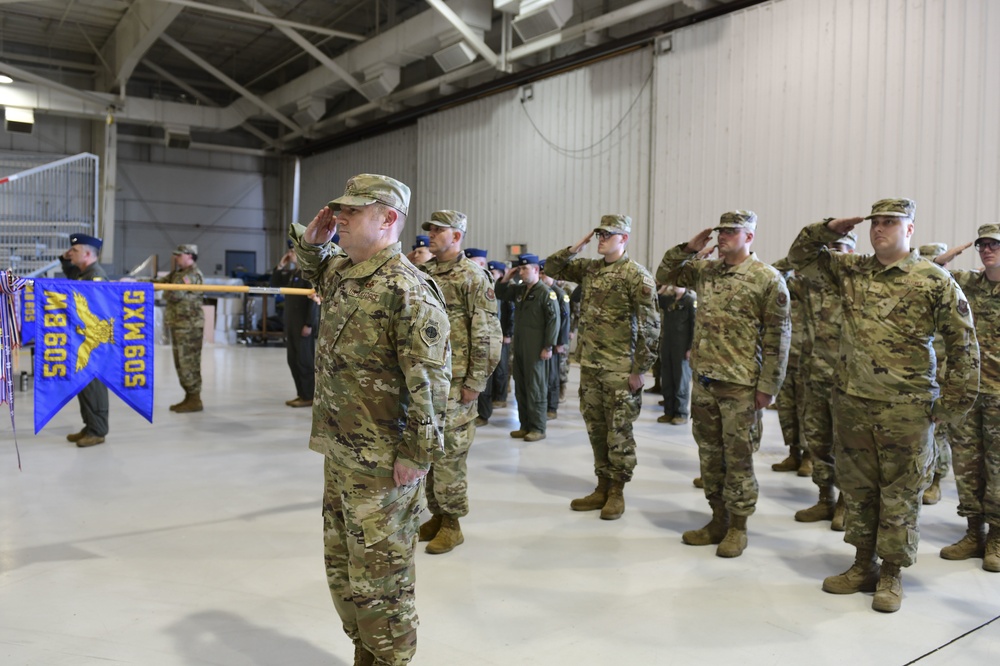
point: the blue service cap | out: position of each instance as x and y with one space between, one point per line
497 266
475 252
541 264
422 241
289 241
84 239
525 259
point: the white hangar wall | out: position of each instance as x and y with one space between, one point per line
797 109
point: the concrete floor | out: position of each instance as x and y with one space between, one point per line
197 540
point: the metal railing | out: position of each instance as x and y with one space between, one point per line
42 203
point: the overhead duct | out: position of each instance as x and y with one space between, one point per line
310 109
507 6
175 136
540 17
19 121
380 81
457 55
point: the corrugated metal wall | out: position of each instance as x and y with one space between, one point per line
544 171
800 109
393 154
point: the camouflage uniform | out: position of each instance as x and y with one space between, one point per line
976 439
567 288
790 397
383 370
186 320
741 341
618 335
886 391
475 331
824 316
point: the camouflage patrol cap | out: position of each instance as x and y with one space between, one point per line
932 250
448 219
368 188
738 219
615 224
850 239
893 208
186 249
990 231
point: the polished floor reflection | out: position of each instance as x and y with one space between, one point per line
196 540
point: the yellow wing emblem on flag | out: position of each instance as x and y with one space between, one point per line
95 331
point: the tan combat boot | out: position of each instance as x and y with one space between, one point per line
806 467
192 403
447 538
430 529
933 494
822 510
173 408
595 500
518 434
76 436
534 436
736 538
991 559
863 576
973 544
712 533
89 440
839 515
889 593
791 463
697 482
614 507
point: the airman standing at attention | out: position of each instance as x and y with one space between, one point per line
81 264
789 400
942 447
740 352
976 439
475 349
383 369
186 320
561 349
887 398
619 334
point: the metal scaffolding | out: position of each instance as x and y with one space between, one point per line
41 204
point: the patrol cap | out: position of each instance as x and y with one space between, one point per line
422 241
990 231
475 252
525 259
893 208
497 266
447 219
616 224
738 219
193 249
932 250
541 264
84 239
850 239
368 188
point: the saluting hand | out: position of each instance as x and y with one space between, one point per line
844 224
576 249
945 257
322 228
707 252
699 242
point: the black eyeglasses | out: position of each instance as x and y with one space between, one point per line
987 245
605 235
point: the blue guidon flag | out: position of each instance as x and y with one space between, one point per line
92 330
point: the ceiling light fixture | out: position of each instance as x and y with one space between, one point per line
5 79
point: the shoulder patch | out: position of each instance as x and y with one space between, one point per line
490 295
430 334
782 299
552 295
566 297
963 308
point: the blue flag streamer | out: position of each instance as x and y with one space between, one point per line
27 313
92 330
